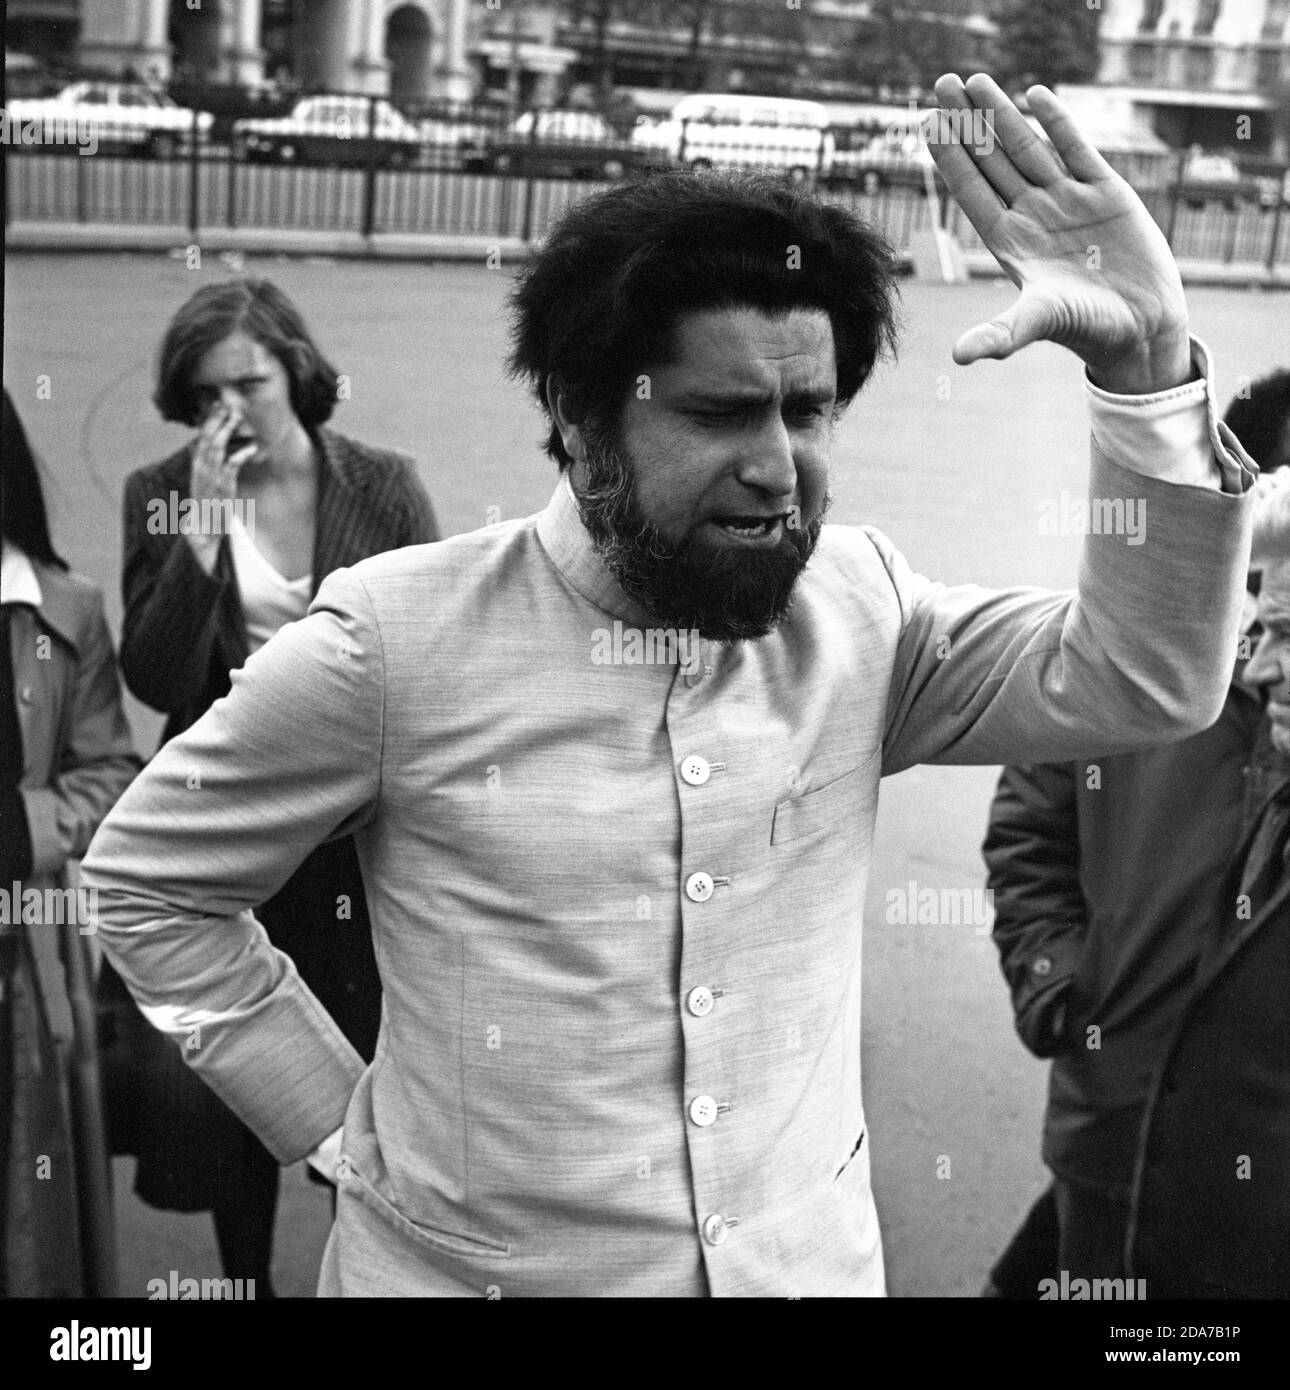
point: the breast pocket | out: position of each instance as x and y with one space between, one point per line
846 805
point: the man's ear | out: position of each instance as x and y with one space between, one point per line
571 435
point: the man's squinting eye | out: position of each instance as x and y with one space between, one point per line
726 415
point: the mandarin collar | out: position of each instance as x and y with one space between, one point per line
567 541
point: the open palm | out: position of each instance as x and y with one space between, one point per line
1094 270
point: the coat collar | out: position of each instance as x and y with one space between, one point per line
567 541
44 588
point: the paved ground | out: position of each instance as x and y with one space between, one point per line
954 464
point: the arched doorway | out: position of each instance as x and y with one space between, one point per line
195 40
408 40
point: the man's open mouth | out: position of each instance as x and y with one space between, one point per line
749 528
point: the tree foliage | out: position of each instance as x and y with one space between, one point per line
1043 41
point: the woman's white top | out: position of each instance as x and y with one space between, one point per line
268 600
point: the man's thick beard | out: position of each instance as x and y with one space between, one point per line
725 593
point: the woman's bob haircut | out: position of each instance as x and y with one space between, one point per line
259 309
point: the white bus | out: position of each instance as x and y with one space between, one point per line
716 130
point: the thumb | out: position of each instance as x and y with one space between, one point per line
1026 321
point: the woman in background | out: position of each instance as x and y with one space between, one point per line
226 541
65 757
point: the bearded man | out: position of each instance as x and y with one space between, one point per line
617 906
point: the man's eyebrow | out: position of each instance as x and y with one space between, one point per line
726 395
755 395
810 395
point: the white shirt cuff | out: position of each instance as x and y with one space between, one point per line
1175 435
325 1159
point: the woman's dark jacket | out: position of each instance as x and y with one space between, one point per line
184 633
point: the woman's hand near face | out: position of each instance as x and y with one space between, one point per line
214 478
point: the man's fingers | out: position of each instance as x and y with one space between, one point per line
1027 321
1027 152
970 124
967 185
1077 154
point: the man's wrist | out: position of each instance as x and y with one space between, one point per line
1147 368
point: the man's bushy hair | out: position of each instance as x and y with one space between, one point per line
602 299
1259 419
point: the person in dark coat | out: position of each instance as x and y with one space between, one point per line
1210 1204
226 541
1114 912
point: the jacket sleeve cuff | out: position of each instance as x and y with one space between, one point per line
1175 435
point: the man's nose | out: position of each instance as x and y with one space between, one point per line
231 399
768 464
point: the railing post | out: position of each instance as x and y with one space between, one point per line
685 135
526 226
81 171
194 176
1278 217
1175 196
369 176
232 160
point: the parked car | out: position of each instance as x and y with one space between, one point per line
888 160
736 131
332 130
1211 178
554 144
1214 178
127 116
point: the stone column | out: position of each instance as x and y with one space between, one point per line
240 41
130 36
320 45
369 69
453 77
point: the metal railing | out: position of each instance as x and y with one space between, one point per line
362 164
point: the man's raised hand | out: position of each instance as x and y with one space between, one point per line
1094 270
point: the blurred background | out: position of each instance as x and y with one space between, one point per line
473 117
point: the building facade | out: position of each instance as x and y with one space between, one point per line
407 48
525 51
1197 67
